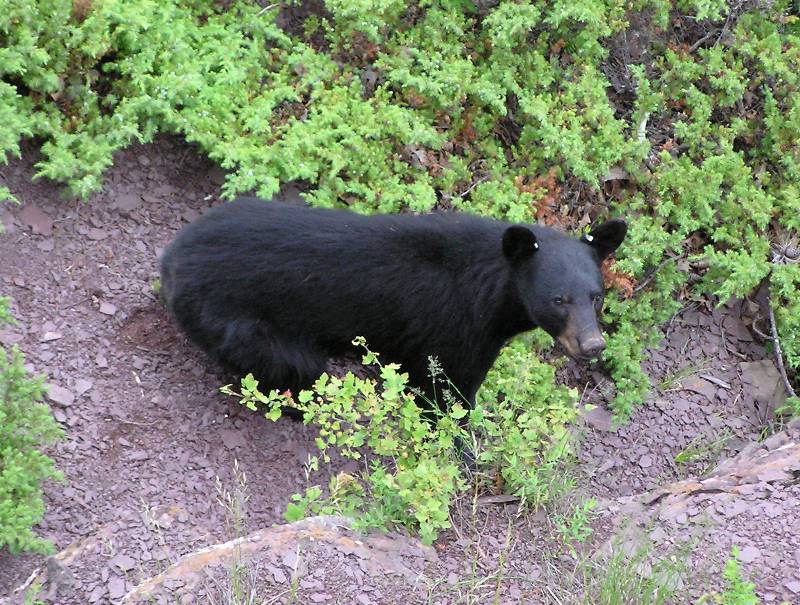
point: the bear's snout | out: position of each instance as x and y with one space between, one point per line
593 346
584 344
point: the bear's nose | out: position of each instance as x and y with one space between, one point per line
593 347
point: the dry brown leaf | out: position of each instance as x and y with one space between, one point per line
617 279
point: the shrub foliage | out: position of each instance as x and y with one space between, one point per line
25 427
682 116
411 472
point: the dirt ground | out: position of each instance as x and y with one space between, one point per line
148 434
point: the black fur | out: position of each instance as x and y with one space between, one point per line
275 289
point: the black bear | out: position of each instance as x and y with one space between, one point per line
275 289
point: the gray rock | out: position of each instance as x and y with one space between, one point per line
59 395
748 554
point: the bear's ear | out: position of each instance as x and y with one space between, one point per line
607 237
519 243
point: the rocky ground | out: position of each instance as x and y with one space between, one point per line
149 441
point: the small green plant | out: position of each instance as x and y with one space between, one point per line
32 593
240 586
412 468
523 421
790 408
738 590
630 576
26 426
415 488
576 527
703 449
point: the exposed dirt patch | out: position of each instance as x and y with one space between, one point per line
149 329
148 432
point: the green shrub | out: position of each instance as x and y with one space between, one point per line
413 490
383 106
523 421
25 427
412 471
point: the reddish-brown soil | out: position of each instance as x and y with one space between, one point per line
147 430
148 433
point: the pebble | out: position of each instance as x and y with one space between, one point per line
39 222
116 587
748 554
46 245
59 395
123 562
107 308
128 201
82 385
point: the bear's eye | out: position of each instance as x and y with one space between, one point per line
558 301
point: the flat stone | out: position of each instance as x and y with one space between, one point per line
96 594
8 338
748 554
46 245
49 336
701 386
39 222
128 201
233 438
82 385
116 587
763 381
599 418
774 474
123 562
59 395
107 308
278 574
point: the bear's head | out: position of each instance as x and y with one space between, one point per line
559 281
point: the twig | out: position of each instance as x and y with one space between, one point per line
266 8
726 26
123 421
700 42
29 581
758 331
475 184
777 343
646 281
75 304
